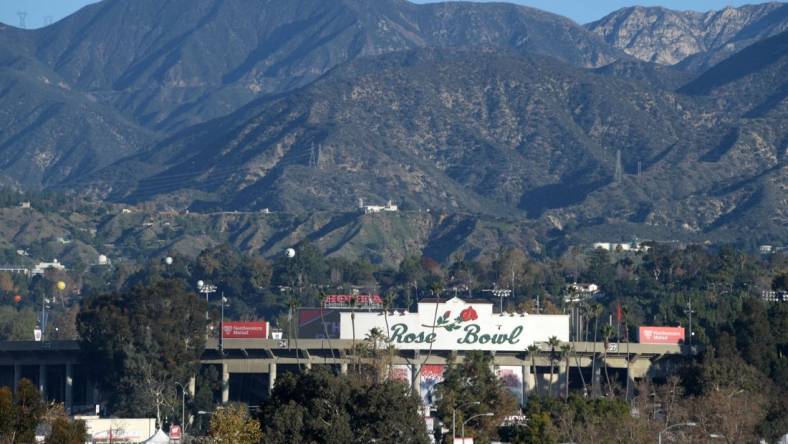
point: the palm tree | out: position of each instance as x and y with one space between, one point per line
553 342
437 289
375 337
533 349
566 351
595 311
607 332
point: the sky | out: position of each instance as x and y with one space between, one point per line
40 12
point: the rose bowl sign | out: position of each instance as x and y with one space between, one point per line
245 330
457 325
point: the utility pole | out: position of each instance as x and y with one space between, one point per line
689 312
619 170
312 155
22 19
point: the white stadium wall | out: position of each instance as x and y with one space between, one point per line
457 326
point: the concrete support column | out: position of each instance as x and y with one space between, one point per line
17 375
42 381
630 389
529 381
225 384
343 368
596 378
272 376
69 401
563 378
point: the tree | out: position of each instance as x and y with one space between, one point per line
470 382
533 350
65 431
566 353
315 405
7 415
607 332
232 425
595 311
28 409
553 342
145 340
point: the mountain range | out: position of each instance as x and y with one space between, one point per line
647 121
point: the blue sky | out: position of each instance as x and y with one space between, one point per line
581 11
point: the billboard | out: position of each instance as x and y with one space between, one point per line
661 335
245 330
318 323
431 376
512 378
457 325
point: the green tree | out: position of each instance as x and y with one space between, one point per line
315 405
470 382
552 342
233 425
145 340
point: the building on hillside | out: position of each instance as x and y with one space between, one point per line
42 267
578 292
371 209
622 246
774 296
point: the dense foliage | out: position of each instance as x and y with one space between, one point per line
143 340
316 405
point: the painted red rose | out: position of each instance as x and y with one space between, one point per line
469 314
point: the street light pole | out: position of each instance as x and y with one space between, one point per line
206 289
183 405
454 417
681 424
469 419
221 327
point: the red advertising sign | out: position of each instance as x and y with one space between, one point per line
661 335
245 330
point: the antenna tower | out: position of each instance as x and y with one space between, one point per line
619 172
22 19
312 155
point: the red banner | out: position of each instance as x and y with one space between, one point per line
245 330
661 335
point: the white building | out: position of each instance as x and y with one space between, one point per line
42 267
623 246
371 209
